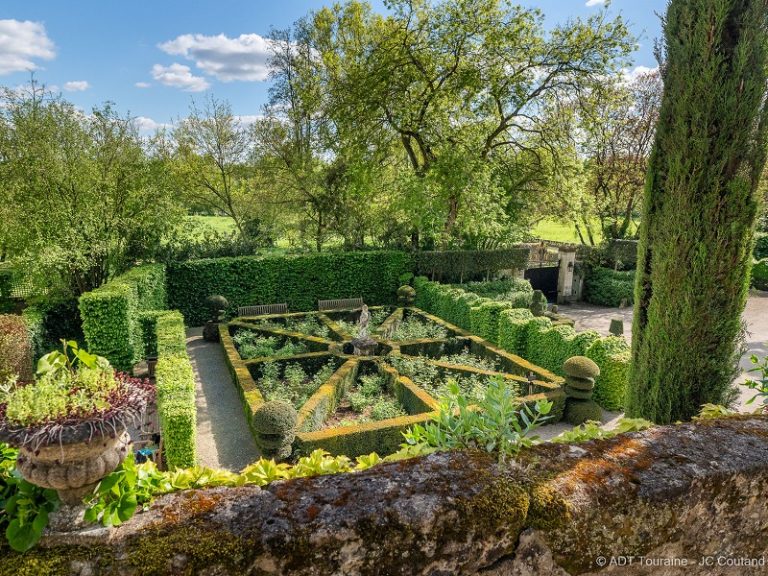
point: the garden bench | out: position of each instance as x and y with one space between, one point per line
263 309
340 304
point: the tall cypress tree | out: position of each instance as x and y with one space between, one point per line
700 207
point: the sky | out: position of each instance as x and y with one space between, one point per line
151 57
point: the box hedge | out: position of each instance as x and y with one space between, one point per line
298 280
466 265
176 409
513 330
607 287
484 319
612 355
110 314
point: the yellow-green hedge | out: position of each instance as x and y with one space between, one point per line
111 314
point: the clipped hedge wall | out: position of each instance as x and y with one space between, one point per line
761 246
607 287
515 291
760 274
177 411
299 280
466 265
110 314
612 355
484 319
175 389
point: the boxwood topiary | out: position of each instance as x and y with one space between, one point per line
613 356
581 367
274 425
579 411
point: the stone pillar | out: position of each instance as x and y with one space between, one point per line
565 276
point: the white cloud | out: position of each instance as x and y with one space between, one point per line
21 43
591 3
179 76
147 125
243 58
631 75
76 86
142 84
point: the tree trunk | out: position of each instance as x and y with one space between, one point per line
699 209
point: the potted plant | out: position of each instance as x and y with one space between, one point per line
70 422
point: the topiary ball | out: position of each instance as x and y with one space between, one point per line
406 294
274 424
275 417
217 304
581 367
579 411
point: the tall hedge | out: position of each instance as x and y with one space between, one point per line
760 250
466 265
175 379
111 314
298 280
700 207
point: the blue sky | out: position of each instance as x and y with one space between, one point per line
150 58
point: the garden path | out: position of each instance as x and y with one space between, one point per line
223 437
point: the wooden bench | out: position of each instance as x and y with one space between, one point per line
263 309
340 304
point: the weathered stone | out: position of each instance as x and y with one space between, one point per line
689 491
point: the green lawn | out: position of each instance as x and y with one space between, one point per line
223 224
559 231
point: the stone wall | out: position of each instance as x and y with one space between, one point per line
693 495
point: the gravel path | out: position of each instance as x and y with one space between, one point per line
223 437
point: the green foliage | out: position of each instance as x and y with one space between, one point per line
499 423
300 281
274 424
612 354
759 384
514 291
416 328
513 330
607 287
69 384
111 314
290 382
371 400
461 265
253 345
133 487
176 409
760 251
713 411
82 199
701 203
759 275
170 334
592 430
580 411
34 318
484 319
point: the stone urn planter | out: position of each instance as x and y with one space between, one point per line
72 451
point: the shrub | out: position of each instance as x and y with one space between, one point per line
485 319
15 349
171 337
760 274
607 287
513 328
612 355
761 246
177 411
274 424
34 318
298 280
515 291
110 314
466 265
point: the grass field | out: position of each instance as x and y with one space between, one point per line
223 224
558 231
